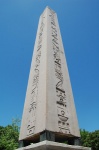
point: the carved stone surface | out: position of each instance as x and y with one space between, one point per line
49 145
49 103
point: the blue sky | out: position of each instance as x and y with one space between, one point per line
79 25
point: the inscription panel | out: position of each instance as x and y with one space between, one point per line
62 108
31 119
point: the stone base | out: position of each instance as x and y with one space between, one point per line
49 145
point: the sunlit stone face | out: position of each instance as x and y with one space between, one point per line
49 103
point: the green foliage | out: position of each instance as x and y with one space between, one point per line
85 138
90 139
9 136
95 140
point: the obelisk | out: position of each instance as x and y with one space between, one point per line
49 109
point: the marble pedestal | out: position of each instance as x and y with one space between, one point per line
49 145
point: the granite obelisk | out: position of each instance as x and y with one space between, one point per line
49 105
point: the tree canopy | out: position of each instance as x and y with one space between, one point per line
9 136
90 139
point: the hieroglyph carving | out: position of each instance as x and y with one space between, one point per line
62 111
35 81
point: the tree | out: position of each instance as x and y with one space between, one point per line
85 138
90 139
94 137
9 136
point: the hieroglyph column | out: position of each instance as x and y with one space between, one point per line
49 103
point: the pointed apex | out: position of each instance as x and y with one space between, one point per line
48 8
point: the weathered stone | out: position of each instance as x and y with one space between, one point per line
49 145
49 103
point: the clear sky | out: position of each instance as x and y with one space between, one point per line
79 25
